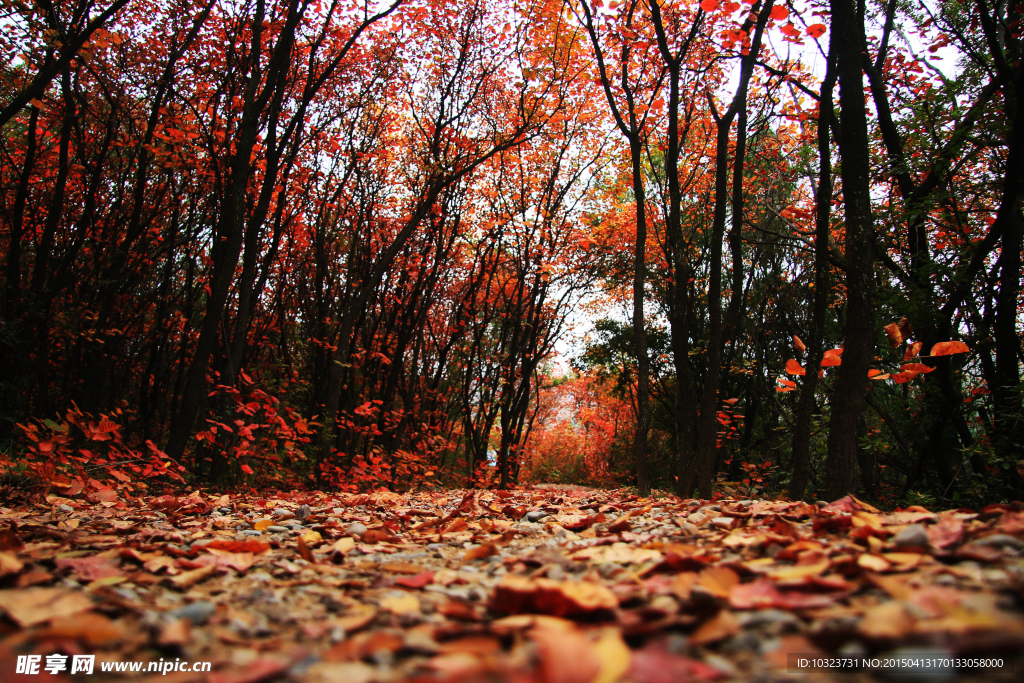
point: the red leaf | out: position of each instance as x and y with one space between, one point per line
709 5
418 581
949 348
832 358
779 13
816 30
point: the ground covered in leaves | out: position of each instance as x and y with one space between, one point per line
555 585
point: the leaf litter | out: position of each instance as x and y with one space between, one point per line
554 584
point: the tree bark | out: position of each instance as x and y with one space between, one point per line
859 328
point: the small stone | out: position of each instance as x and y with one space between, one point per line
535 515
357 529
913 535
724 522
251 532
820 503
225 511
434 547
689 528
277 529
197 612
281 512
1001 540
303 512
746 503
200 542
242 525
63 507
696 518
774 619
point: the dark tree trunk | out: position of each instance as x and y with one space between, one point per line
806 403
859 328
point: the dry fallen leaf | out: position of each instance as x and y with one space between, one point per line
30 606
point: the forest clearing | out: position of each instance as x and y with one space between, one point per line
560 340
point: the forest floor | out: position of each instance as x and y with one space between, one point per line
555 584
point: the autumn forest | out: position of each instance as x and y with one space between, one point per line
767 249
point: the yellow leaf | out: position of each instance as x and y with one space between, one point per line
613 655
400 603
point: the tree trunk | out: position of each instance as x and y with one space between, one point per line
859 327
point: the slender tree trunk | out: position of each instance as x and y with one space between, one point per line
859 332
806 403
643 372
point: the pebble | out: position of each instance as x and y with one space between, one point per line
357 529
63 507
775 618
197 612
535 515
303 512
434 547
225 511
277 529
200 542
251 532
913 535
281 512
1003 540
723 522
697 518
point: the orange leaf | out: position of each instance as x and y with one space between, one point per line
794 368
798 344
917 367
912 350
949 348
892 331
832 358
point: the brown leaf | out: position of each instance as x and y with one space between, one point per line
895 335
175 633
718 627
519 595
248 546
237 561
949 531
89 628
30 606
10 564
305 552
718 580
402 568
417 581
480 551
566 656
886 621
372 536
186 580
90 568
9 540
799 345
